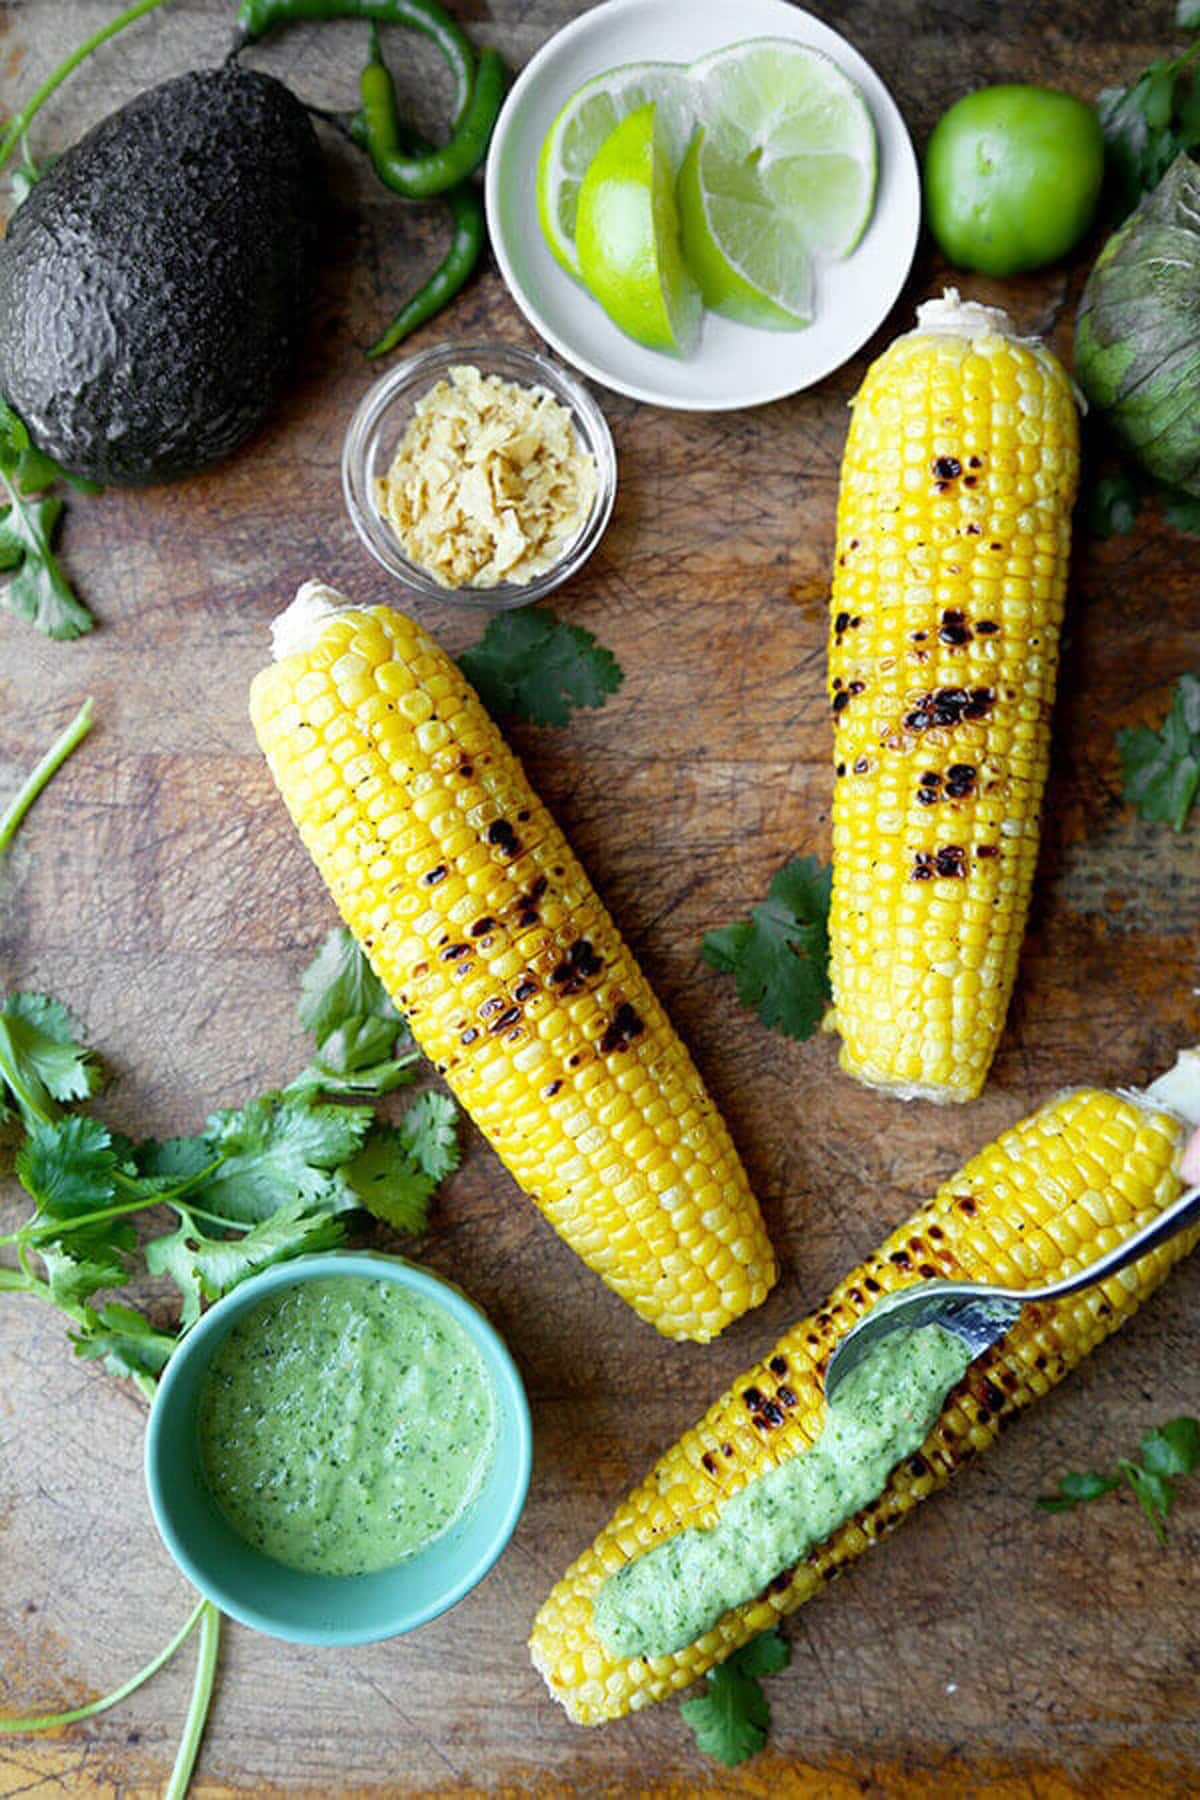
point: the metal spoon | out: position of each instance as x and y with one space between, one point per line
980 1314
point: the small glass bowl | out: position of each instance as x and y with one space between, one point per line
381 421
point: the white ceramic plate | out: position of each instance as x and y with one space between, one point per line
735 365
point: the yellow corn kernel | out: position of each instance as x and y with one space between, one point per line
1021 1185
488 936
962 460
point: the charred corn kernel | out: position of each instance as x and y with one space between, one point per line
485 931
1054 1165
949 582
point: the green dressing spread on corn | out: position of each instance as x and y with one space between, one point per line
670 1596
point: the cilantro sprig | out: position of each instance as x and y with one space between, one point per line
1161 769
257 1185
533 665
1167 1452
36 588
1147 123
731 1718
779 956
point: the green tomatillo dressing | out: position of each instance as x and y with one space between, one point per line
346 1423
884 1411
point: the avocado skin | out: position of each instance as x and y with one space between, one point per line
156 284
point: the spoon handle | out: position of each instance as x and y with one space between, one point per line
1177 1217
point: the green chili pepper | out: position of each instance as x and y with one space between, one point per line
377 127
479 83
422 174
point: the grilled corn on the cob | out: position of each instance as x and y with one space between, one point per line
1051 1194
949 581
487 934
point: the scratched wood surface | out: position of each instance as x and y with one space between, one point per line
158 889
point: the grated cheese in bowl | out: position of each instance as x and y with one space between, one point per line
490 483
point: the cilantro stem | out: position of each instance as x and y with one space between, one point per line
50 1721
53 1229
53 760
18 126
1131 1471
197 1714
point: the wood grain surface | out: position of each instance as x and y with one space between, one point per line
159 890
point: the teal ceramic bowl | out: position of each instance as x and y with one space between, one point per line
329 1609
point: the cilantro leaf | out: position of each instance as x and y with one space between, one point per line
37 589
1112 506
779 957
358 1043
1073 1490
277 1148
532 665
67 1166
35 471
73 1278
765 1654
428 1130
340 986
357 1058
14 436
41 1058
1173 1448
290 1231
398 1168
174 1255
126 1340
173 1161
731 1718
1161 769
388 1184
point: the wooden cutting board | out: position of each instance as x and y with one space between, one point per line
158 889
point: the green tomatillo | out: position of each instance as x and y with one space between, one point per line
1012 178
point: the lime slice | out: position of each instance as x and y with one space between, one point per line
787 129
589 116
750 258
627 237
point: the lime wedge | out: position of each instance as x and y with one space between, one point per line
749 258
785 129
591 115
627 237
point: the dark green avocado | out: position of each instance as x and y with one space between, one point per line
156 284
